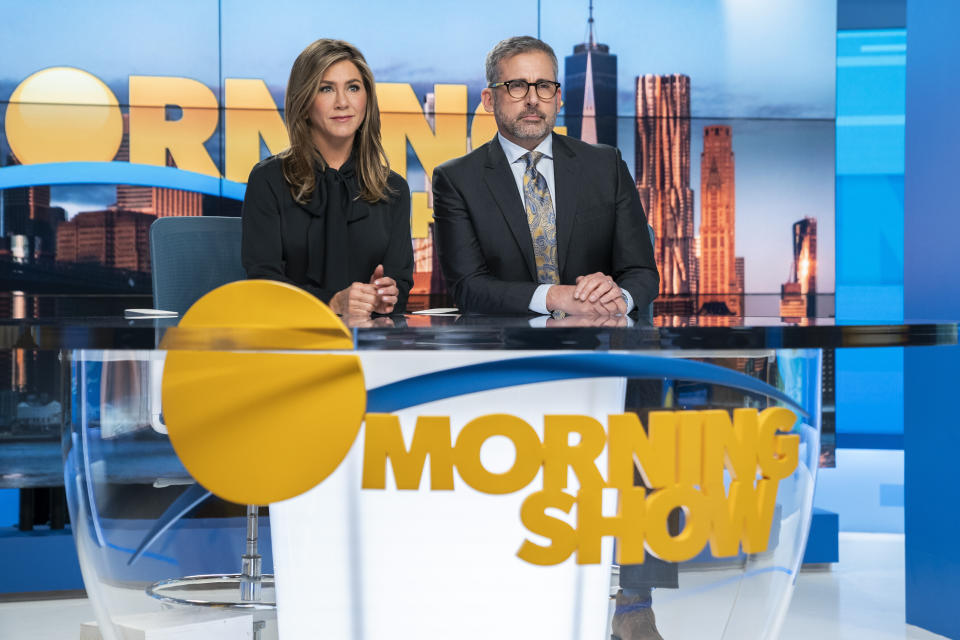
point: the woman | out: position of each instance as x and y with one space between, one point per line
327 214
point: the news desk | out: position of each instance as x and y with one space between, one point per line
502 467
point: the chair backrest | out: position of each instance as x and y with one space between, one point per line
191 256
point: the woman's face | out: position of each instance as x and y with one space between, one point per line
340 106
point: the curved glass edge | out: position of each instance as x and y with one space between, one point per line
800 374
749 593
468 333
121 474
757 587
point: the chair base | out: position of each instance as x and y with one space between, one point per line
214 590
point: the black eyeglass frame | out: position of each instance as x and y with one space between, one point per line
526 87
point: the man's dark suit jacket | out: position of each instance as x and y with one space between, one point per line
484 242
275 228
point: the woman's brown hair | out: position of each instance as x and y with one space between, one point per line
300 160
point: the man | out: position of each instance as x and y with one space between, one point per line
535 221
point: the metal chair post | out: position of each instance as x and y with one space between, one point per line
251 574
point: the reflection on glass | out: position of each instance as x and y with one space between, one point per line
123 479
589 321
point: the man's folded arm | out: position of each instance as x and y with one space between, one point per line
634 268
538 302
462 260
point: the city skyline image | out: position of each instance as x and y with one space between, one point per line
675 95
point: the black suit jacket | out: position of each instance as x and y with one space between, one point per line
275 234
484 242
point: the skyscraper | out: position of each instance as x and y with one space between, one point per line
29 222
590 91
741 274
663 180
111 238
157 201
798 296
718 280
22 204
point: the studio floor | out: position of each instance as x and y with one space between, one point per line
860 598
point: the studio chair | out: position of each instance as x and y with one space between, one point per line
191 256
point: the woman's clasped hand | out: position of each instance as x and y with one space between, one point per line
378 296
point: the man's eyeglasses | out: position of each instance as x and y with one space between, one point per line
519 88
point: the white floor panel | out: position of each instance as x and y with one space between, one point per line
861 598
44 619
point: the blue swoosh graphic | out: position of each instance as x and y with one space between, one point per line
143 175
485 376
153 556
184 504
499 374
695 591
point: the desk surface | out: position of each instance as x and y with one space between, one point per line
63 322
416 332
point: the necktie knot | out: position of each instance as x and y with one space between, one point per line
532 158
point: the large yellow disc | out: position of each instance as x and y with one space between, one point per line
251 424
62 114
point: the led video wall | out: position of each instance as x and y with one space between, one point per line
115 113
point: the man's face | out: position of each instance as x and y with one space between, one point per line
524 121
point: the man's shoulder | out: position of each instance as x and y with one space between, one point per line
466 163
580 148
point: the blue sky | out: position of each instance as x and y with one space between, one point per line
747 58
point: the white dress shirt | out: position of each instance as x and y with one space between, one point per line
515 153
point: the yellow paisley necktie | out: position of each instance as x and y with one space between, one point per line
542 220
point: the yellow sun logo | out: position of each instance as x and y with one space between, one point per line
62 114
251 422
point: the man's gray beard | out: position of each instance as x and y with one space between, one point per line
528 131
522 130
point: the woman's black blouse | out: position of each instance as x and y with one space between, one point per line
291 242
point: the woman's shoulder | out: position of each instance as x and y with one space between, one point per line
397 182
269 168
397 189
266 179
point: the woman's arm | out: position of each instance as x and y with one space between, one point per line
262 250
